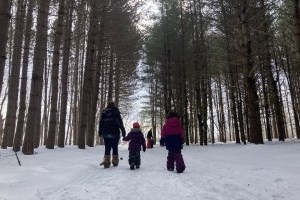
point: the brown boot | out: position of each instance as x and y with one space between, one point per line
106 161
115 160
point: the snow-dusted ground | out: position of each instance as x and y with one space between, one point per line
215 172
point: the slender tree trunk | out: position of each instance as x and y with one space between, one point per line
14 78
210 102
110 76
4 21
54 76
85 100
266 106
293 95
47 99
23 91
64 75
297 25
37 74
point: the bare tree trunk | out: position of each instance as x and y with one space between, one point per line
110 76
54 76
222 115
4 21
210 103
37 75
85 100
14 78
117 81
252 100
78 34
266 106
23 90
293 91
297 25
184 95
64 75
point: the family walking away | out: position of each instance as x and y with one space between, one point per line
111 126
109 129
136 141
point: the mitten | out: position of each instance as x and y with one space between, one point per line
144 149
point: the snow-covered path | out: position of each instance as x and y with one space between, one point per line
216 172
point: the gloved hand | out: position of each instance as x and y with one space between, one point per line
100 134
123 134
144 149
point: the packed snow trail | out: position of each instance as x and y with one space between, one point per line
216 172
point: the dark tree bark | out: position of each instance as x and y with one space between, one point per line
37 75
65 75
4 21
23 92
54 76
85 100
14 78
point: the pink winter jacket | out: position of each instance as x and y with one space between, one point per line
172 126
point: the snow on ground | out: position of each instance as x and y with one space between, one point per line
215 172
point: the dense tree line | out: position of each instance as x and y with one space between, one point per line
63 61
230 68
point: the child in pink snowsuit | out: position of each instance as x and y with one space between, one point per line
173 135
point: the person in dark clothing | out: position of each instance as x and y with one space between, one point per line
109 129
149 139
136 141
172 136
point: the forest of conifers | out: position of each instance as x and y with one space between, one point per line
229 68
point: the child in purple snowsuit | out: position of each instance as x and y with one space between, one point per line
173 135
136 140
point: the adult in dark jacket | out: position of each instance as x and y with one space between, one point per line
136 141
109 129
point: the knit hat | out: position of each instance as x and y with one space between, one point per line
136 125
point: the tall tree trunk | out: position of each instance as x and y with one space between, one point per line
47 99
14 78
241 116
184 95
252 100
54 75
293 95
210 103
37 74
297 25
4 21
23 90
85 100
266 105
64 75
78 34
110 76
274 97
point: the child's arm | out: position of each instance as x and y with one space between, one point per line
127 138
